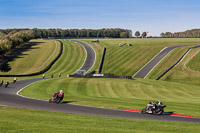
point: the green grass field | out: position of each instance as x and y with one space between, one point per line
72 59
167 62
120 93
181 73
128 60
194 63
34 59
26 120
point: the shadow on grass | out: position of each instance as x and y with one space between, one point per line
16 53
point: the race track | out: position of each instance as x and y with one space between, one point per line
146 69
9 97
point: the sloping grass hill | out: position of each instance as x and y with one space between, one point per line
128 60
33 59
194 63
186 71
72 58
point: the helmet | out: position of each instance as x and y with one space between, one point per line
61 91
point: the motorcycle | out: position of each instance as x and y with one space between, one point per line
56 98
156 109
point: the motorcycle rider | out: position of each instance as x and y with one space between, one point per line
150 104
159 102
58 96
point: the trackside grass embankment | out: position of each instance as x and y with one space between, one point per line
128 60
27 120
182 74
120 93
33 59
72 58
194 62
167 62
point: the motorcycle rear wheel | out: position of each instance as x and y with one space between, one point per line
143 111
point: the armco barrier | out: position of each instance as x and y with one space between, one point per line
176 62
42 71
102 60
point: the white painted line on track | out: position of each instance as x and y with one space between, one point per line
84 60
94 59
86 57
29 97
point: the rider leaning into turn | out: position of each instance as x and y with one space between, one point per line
58 95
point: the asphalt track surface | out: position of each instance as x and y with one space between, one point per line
90 57
9 97
144 71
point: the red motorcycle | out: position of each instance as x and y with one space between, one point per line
57 97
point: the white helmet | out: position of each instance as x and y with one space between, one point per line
61 91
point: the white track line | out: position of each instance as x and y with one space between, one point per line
94 59
29 97
86 57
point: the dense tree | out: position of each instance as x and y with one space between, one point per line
144 34
124 35
187 33
137 34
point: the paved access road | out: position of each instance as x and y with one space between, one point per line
9 97
146 69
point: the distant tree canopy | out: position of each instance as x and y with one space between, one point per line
10 38
13 39
187 33
144 34
137 33
112 33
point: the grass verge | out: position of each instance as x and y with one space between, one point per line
27 120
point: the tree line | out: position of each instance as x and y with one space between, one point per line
75 33
194 33
13 39
10 38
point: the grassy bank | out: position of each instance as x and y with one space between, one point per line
118 93
26 120
33 59
128 60
182 74
72 58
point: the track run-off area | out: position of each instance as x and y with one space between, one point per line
10 97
